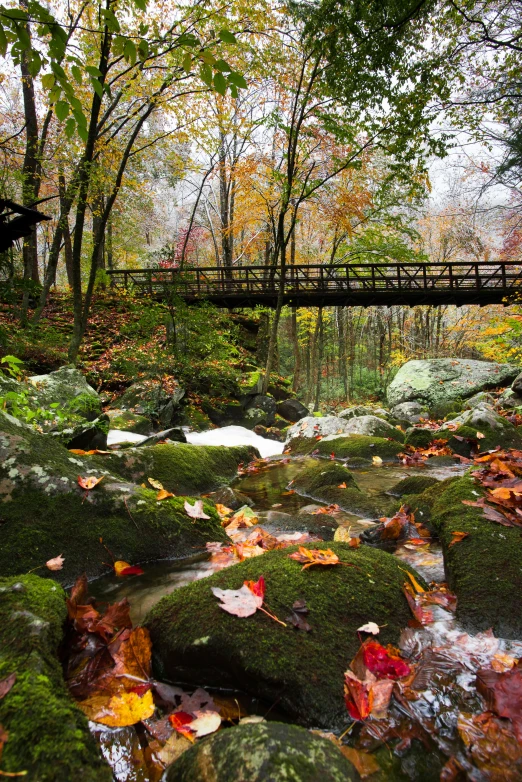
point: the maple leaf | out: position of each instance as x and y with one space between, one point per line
421 614
223 511
122 568
56 563
383 663
376 461
89 482
358 697
342 485
163 494
314 557
195 511
119 710
205 722
239 602
457 537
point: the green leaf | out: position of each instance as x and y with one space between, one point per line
207 57
61 110
144 28
81 119
220 83
129 52
48 81
92 71
227 37
205 72
118 45
23 37
76 72
55 93
110 20
58 70
187 39
237 80
3 41
143 49
82 132
141 4
15 13
221 65
187 63
11 360
233 90
70 127
98 89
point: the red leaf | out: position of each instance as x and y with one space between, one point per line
383 663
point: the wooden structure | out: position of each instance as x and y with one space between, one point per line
13 228
364 285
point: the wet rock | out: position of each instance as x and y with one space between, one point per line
292 410
266 752
126 421
414 484
319 524
86 436
49 737
230 498
516 385
323 474
509 399
174 434
271 433
420 438
483 569
45 512
349 447
303 671
442 380
410 412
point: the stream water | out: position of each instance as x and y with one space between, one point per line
447 671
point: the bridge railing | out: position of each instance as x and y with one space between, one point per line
373 277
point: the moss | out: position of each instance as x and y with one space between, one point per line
422 503
360 445
196 641
85 405
126 421
323 475
180 467
506 437
414 484
48 735
484 570
44 512
263 753
419 438
196 419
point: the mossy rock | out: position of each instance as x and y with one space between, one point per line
506 437
320 524
422 503
414 484
484 569
44 512
125 421
180 467
49 736
321 475
348 447
266 752
419 438
196 641
196 419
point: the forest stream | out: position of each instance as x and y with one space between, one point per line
449 656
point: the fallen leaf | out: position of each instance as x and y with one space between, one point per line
195 511
480 436
503 694
163 494
89 483
173 748
342 486
239 602
369 627
382 662
312 557
124 569
120 710
357 697
223 511
297 617
205 722
365 763
457 537
56 563
376 461
155 484
6 684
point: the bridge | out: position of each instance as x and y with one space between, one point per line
349 285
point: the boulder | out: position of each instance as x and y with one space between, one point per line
414 484
483 569
496 431
45 512
312 427
48 736
195 641
291 410
319 524
323 474
85 435
419 438
349 447
230 498
509 399
374 426
175 434
324 482
263 752
516 385
358 410
69 388
126 421
482 399
410 412
260 409
149 397
437 381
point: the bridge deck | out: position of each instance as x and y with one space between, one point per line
348 285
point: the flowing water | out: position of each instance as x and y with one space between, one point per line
445 673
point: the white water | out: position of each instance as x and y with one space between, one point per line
236 435
116 436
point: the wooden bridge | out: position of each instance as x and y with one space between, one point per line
363 285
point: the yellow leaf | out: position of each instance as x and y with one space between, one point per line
163 494
415 583
119 711
155 484
377 461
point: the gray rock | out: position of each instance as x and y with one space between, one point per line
373 426
482 399
441 380
509 399
480 416
126 421
410 412
312 427
66 386
516 385
292 410
87 436
263 752
230 498
261 410
148 397
359 410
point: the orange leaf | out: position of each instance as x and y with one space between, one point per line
314 557
89 483
457 537
163 494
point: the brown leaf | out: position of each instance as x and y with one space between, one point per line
6 684
312 557
365 763
457 537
